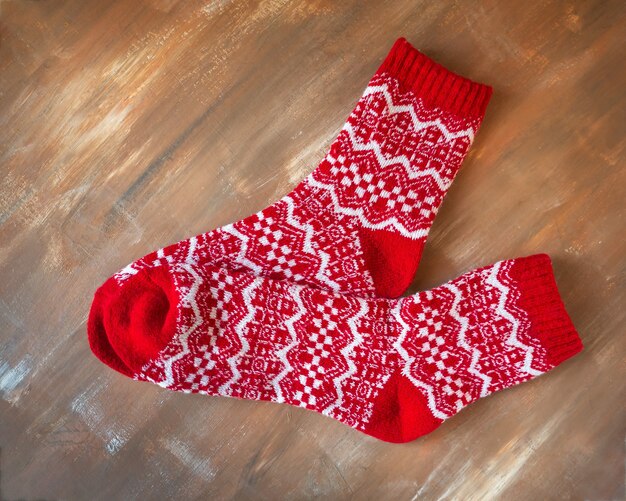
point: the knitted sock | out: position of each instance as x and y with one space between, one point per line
391 368
358 223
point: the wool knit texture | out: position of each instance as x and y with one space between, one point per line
392 368
358 223
295 304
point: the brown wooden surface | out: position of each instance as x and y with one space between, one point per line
128 125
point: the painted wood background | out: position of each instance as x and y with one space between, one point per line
127 125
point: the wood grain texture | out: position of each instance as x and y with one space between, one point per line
127 125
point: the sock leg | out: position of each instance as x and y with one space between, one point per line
396 157
488 330
358 223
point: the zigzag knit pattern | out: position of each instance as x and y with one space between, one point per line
295 304
358 223
394 369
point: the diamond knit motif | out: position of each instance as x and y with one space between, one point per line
291 304
396 158
240 335
472 341
387 172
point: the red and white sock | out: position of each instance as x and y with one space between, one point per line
358 223
392 368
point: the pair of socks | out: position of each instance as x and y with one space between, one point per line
296 303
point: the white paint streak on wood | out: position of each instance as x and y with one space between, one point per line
501 473
199 465
88 406
306 160
12 377
213 7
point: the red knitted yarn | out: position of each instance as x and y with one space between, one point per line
358 223
391 368
434 84
290 304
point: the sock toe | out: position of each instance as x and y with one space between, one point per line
130 323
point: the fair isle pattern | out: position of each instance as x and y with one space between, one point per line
447 129
395 158
288 305
506 308
348 353
388 169
462 341
453 360
240 329
408 360
300 311
279 243
270 340
299 239
259 345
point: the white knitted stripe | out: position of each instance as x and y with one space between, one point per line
240 329
503 312
282 353
348 354
408 362
417 123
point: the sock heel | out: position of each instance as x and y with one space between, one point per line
392 260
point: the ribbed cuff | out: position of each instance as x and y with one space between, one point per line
539 298
436 85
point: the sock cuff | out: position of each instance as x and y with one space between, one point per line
539 297
436 85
